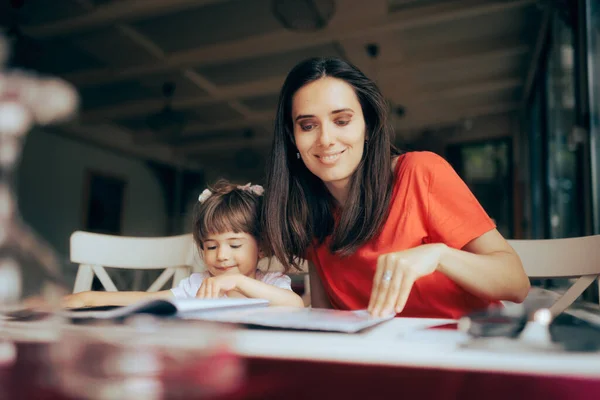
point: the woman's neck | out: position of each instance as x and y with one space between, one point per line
339 190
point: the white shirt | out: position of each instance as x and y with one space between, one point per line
189 286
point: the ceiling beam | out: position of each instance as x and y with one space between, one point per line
443 94
407 125
114 12
211 146
255 119
272 85
113 137
225 93
451 58
152 48
285 41
469 90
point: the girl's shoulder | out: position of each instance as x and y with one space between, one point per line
198 277
188 287
278 279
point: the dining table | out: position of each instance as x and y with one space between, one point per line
400 358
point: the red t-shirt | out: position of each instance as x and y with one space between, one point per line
430 204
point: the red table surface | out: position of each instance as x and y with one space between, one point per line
292 379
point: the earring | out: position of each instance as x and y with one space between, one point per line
298 155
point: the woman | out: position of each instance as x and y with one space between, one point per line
394 233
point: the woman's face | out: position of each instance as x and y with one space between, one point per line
329 130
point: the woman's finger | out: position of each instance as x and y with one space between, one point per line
389 304
381 261
384 284
405 289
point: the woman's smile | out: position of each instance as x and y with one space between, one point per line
330 158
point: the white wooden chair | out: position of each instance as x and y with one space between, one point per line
562 258
93 252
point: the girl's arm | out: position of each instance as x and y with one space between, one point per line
253 288
318 296
214 286
94 299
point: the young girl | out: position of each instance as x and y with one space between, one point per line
227 230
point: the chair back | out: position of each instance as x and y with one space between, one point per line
562 258
94 252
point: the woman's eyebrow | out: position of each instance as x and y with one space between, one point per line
304 116
341 110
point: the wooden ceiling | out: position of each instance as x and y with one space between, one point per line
438 61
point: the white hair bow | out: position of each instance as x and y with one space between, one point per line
204 195
255 189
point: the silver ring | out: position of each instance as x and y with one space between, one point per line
387 276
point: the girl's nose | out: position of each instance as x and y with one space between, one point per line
222 253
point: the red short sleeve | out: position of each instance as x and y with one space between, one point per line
454 216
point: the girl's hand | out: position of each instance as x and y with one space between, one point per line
215 286
75 300
397 272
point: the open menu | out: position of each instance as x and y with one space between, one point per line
253 312
164 307
314 319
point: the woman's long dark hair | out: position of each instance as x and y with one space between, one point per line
298 208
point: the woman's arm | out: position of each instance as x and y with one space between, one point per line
487 267
94 299
318 296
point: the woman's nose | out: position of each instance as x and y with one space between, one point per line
326 136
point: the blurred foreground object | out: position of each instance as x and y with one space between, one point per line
25 100
146 358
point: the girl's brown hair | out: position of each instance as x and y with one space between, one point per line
229 208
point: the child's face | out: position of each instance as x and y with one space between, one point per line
231 253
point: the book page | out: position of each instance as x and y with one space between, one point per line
165 307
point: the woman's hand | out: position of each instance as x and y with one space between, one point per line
397 272
215 286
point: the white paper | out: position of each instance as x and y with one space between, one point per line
167 307
295 318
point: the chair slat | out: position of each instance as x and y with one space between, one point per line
105 280
84 278
162 279
95 252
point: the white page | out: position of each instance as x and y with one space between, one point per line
166 307
296 318
191 305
